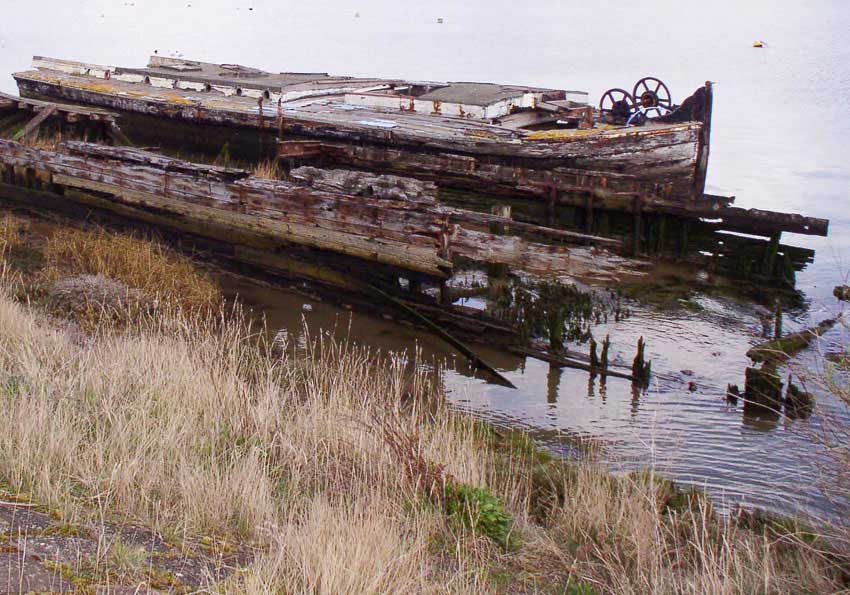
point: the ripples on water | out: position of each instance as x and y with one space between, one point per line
779 142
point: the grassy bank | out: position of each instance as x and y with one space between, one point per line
346 473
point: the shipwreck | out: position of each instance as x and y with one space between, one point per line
392 189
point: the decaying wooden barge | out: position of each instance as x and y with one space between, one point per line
345 229
388 212
506 137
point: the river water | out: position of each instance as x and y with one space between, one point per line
780 141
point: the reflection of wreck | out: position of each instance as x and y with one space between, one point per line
391 185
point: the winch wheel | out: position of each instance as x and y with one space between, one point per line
617 102
650 92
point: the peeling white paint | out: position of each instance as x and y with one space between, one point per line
191 86
426 106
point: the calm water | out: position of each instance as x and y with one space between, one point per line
780 141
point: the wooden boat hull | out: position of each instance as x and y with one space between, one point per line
452 151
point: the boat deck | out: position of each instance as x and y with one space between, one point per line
328 113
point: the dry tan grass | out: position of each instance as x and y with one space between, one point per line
139 263
267 170
197 426
11 232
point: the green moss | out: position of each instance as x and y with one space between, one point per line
67 530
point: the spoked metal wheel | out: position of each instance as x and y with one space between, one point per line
651 93
617 103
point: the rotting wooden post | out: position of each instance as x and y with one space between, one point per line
777 321
641 369
770 254
636 227
662 229
594 358
683 242
588 213
501 228
551 206
733 393
606 344
763 388
30 179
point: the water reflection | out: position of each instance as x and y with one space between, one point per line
683 422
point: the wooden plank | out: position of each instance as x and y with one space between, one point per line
466 216
33 124
473 357
299 149
78 110
568 362
383 251
164 162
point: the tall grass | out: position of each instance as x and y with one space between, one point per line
335 464
11 232
832 376
139 263
268 169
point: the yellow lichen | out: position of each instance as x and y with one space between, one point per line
568 133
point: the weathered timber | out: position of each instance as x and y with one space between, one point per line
163 162
366 184
580 188
665 162
464 349
65 110
654 153
782 348
568 362
402 188
466 216
408 234
33 124
261 252
385 231
299 149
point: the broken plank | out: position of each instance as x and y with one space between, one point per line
467 216
139 157
473 357
568 362
783 348
33 124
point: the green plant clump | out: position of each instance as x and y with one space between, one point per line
480 511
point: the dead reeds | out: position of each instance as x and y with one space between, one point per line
335 463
